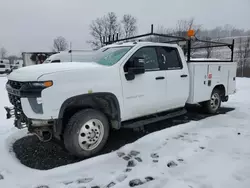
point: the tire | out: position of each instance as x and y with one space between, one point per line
86 133
213 105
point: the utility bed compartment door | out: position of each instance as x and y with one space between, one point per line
205 76
231 88
199 91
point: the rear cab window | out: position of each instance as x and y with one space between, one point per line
169 56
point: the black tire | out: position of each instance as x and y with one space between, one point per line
75 125
213 105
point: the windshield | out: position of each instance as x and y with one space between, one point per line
104 56
107 56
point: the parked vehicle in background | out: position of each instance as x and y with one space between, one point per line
17 63
68 56
4 66
34 58
123 84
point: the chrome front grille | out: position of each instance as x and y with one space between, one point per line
15 101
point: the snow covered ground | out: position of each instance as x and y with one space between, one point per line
211 153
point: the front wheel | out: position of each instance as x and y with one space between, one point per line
212 106
86 133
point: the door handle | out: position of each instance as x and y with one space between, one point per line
160 78
184 75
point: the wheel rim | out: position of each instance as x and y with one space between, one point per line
91 134
215 101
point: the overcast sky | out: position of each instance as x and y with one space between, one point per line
31 25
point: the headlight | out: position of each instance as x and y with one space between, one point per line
42 85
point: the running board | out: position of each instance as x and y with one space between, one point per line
159 117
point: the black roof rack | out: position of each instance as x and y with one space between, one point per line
187 40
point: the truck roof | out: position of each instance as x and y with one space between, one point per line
140 43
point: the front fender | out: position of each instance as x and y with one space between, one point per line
102 101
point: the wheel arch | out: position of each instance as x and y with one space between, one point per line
105 102
221 88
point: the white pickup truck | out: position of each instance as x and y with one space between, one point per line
67 56
121 84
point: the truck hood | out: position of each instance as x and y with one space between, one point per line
32 73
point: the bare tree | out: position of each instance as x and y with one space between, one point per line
129 25
183 26
60 44
106 26
181 30
244 53
3 53
112 26
97 31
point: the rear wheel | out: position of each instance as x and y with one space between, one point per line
86 133
213 105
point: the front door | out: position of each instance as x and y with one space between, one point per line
145 94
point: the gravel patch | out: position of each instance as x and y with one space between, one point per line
38 155
43 156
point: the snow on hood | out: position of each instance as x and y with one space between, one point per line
33 72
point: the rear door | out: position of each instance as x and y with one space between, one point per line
176 76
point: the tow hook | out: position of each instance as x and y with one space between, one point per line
43 134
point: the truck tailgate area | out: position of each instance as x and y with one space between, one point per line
205 76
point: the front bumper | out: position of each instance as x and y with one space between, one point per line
16 93
20 120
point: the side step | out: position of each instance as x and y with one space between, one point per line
152 119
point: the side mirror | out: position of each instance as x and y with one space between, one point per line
137 66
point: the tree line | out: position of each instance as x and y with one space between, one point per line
59 44
127 26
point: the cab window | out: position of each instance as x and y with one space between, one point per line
149 54
169 56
